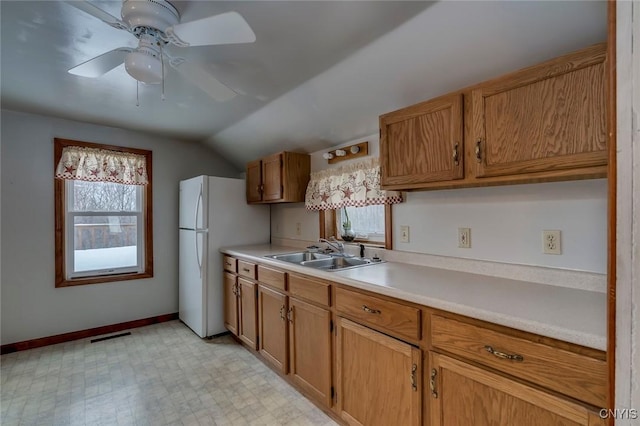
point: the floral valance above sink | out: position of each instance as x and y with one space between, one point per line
355 185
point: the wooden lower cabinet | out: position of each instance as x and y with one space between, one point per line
310 349
461 394
378 377
247 303
229 283
272 315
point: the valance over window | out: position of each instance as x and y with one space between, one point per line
100 165
355 185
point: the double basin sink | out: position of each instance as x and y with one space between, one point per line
322 261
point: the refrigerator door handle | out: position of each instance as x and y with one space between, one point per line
198 254
198 203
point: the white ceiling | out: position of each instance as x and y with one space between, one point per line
319 73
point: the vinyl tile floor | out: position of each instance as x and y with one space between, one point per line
162 374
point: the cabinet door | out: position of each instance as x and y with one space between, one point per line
378 377
548 117
254 181
248 330
230 303
310 348
272 311
422 143
272 177
462 394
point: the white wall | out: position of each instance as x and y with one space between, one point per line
31 305
506 221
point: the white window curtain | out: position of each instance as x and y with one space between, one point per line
100 165
356 185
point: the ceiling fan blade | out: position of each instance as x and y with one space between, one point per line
101 64
226 28
204 80
95 11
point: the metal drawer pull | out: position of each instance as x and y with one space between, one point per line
246 269
432 383
512 357
371 311
478 152
414 384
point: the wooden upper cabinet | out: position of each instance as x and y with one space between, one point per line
254 181
278 178
542 123
544 118
272 168
423 143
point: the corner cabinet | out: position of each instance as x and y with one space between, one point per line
278 178
546 122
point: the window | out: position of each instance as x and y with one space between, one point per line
103 228
366 222
372 224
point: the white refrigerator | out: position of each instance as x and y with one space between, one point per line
213 214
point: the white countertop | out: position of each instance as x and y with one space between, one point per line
572 315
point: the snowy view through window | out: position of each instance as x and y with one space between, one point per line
105 219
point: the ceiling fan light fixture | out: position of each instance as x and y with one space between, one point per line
144 66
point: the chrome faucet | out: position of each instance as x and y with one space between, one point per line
335 246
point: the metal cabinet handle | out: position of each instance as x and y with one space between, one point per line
290 314
478 151
432 383
282 313
414 383
370 311
455 155
498 354
246 269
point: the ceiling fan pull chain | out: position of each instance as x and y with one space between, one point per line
162 62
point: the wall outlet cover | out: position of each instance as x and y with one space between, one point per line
551 242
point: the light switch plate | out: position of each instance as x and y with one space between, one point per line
464 237
404 233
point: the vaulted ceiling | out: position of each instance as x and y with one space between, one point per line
319 73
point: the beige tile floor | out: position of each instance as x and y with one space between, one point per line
160 375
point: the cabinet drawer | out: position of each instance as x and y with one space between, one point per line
576 375
306 288
230 264
272 277
247 269
397 318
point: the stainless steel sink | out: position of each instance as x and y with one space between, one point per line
322 261
299 257
336 263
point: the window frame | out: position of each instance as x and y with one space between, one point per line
329 229
61 216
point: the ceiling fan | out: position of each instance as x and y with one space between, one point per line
156 23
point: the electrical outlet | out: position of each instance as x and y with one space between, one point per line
404 233
298 228
551 242
464 237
